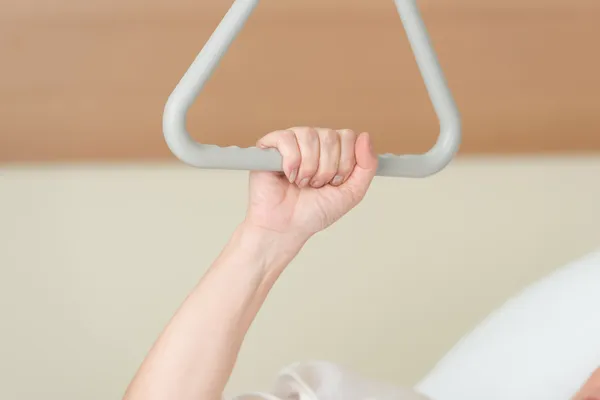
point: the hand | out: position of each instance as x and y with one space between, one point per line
326 173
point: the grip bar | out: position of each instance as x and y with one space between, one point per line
235 158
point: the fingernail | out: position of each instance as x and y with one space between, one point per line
303 182
337 180
315 184
293 175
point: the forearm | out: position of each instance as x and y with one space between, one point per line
194 356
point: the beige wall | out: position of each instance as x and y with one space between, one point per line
94 260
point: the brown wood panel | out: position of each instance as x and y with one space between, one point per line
87 80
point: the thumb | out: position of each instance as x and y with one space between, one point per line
366 165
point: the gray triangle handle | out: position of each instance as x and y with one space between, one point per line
235 158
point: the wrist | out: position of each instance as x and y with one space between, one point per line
273 250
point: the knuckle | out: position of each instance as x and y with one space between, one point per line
329 137
287 135
312 136
347 133
306 133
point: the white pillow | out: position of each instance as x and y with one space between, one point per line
541 345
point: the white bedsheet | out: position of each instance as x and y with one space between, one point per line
540 345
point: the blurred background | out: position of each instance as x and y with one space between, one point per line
103 232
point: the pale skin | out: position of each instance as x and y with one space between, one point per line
326 173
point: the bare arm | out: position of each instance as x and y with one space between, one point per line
196 353
326 174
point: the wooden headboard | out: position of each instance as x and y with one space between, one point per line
87 80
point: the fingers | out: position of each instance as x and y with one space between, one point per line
285 142
329 157
317 157
310 151
366 167
347 156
